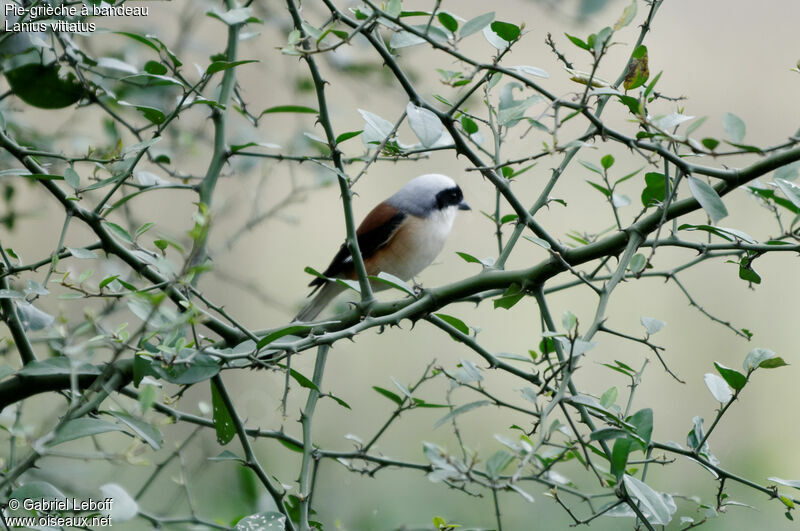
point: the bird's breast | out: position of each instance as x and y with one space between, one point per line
417 243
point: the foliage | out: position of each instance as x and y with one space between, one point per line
132 339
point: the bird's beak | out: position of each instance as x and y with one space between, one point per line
463 205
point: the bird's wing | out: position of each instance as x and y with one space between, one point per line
375 231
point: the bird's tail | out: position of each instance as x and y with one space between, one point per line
326 294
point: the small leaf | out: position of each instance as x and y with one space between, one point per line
72 178
497 462
638 263
290 108
455 322
302 380
578 42
638 72
655 189
790 190
505 30
652 325
786 482
734 127
82 427
388 394
119 232
734 378
461 410
289 330
651 501
219 66
628 14
393 281
425 124
347 136
607 161
718 388
145 431
448 21
223 423
476 24
708 198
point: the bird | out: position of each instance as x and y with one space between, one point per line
401 236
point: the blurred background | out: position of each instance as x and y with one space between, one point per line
273 218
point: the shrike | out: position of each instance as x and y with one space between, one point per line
401 236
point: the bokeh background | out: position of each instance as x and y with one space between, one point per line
723 55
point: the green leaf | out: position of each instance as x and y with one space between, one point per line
339 401
219 66
448 21
609 398
578 42
512 295
652 502
468 258
72 178
461 410
42 86
710 143
302 380
476 24
226 455
637 72
232 17
619 456
388 394
82 254
642 420
733 377
498 462
58 366
289 330
393 281
145 431
82 427
119 232
638 263
655 189
505 30
290 108
600 188
108 280
734 127
591 167
607 161
708 198
469 125
154 115
264 520
189 368
749 274
223 422
155 68
455 322
425 124
790 190
606 434
347 136
723 232
394 8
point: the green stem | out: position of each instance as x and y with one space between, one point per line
308 441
